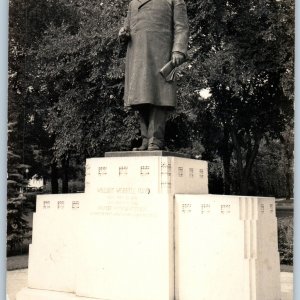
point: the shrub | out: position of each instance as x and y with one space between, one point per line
285 240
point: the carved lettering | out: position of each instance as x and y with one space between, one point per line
201 173
225 209
180 171
124 209
75 204
166 169
186 208
124 190
205 208
102 171
61 204
87 170
145 170
123 171
46 204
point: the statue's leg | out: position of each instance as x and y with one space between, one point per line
144 122
156 130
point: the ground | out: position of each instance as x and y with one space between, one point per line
17 279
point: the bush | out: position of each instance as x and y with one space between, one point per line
286 240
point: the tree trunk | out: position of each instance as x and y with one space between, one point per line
65 179
288 186
54 178
226 157
244 182
226 166
288 172
245 169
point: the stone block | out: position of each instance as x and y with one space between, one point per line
34 294
146 175
52 254
126 248
226 248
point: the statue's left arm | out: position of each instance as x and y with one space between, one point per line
181 31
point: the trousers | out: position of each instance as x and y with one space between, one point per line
153 123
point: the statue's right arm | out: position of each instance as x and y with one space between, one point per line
127 20
125 30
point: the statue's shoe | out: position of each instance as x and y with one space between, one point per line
153 147
141 148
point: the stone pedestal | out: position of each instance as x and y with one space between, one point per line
147 229
52 254
146 175
127 248
226 248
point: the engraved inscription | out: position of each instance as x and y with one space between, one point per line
262 208
145 170
186 208
166 185
102 171
75 204
191 172
123 171
123 190
166 169
123 208
165 176
180 171
60 204
201 173
225 209
87 170
46 204
205 208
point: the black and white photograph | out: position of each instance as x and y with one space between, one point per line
150 150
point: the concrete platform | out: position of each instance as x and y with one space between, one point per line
16 280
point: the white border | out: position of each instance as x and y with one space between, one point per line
3 140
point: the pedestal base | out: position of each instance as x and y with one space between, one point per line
135 235
34 294
226 248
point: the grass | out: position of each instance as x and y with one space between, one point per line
17 262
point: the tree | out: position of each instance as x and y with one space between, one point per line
236 52
80 81
28 21
17 226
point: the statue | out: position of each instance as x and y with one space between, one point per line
156 33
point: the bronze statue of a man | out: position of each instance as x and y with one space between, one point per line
157 33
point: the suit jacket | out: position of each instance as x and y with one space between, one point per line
157 28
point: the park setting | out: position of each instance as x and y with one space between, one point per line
144 136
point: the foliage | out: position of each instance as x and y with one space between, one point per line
71 96
285 240
272 168
27 136
236 51
80 83
17 226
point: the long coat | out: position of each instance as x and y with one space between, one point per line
157 28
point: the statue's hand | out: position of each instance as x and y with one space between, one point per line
177 58
124 34
122 31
